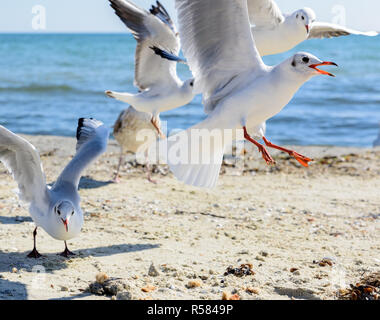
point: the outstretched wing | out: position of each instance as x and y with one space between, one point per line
92 139
154 28
329 30
217 43
23 161
264 13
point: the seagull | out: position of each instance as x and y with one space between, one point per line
134 132
160 89
239 91
275 32
56 209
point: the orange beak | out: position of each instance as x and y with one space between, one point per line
325 63
65 222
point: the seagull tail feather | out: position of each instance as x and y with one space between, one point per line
194 156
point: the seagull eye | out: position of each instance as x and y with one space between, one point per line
305 59
192 83
59 212
303 18
72 213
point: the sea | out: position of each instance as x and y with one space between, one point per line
48 81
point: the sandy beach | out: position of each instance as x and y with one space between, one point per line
306 233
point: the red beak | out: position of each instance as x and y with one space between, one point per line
65 222
307 28
325 63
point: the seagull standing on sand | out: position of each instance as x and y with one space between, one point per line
126 130
160 89
239 91
275 32
56 209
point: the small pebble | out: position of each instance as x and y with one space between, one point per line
124 296
193 284
101 277
153 271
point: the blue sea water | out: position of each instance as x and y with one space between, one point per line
48 81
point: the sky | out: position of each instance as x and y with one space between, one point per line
97 16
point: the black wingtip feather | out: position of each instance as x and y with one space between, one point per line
80 126
166 55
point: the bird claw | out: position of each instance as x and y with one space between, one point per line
67 253
267 157
301 159
34 254
116 180
152 181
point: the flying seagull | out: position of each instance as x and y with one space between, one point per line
275 32
56 209
160 89
239 91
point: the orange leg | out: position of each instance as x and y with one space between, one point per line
266 156
155 124
299 157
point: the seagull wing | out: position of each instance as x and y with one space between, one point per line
23 161
92 139
264 13
329 30
217 42
150 29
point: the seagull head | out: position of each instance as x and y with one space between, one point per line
305 18
64 211
189 87
306 64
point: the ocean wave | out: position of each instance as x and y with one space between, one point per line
41 88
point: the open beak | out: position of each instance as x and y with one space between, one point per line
325 63
65 222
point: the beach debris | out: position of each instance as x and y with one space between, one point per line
367 289
193 284
324 262
109 286
228 296
244 270
148 288
252 290
293 269
64 288
14 270
96 288
153 271
264 253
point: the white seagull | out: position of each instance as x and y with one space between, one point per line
134 133
275 32
56 209
239 91
160 89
